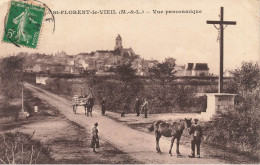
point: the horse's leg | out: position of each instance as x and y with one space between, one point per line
177 148
158 136
172 141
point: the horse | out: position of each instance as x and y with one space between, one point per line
174 130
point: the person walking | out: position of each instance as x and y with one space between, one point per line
103 106
196 135
95 140
90 105
145 107
137 106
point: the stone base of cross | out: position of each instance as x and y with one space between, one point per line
22 115
217 104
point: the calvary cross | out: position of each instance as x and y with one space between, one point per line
221 23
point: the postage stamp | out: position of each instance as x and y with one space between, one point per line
23 24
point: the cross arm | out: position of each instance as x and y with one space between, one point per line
222 22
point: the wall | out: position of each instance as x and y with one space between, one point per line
198 72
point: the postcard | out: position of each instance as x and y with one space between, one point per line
129 82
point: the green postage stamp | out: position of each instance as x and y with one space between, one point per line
23 24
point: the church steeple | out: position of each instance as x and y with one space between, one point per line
118 43
118 37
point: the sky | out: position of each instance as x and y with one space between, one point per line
185 37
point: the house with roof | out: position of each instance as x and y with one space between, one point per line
196 69
34 69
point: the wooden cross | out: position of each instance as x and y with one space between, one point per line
221 23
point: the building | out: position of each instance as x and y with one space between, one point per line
100 60
179 70
120 51
34 69
227 73
196 69
200 69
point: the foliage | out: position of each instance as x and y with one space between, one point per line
239 129
59 68
245 79
119 95
7 110
20 148
10 65
235 131
121 90
183 96
11 76
170 60
126 73
164 72
172 98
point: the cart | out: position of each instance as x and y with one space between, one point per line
79 101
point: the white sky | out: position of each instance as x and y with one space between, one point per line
185 37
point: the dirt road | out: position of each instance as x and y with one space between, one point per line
139 145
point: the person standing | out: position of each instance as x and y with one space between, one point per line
137 106
95 140
103 106
145 107
90 104
196 135
124 109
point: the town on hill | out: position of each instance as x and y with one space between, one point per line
103 62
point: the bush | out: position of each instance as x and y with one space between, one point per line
20 148
239 129
7 110
119 95
122 94
235 131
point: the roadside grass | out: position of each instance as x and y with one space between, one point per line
73 147
8 112
44 108
68 144
17 147
21 148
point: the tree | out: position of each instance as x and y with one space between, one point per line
246 78
164 72
10 65
129 87
11 75
59 68
170 60
126 73
246 84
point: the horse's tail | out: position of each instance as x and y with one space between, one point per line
151 128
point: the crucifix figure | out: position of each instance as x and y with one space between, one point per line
221 23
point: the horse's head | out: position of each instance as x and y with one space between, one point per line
187 123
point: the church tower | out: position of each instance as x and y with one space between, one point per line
118 46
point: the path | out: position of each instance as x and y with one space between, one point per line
137 144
